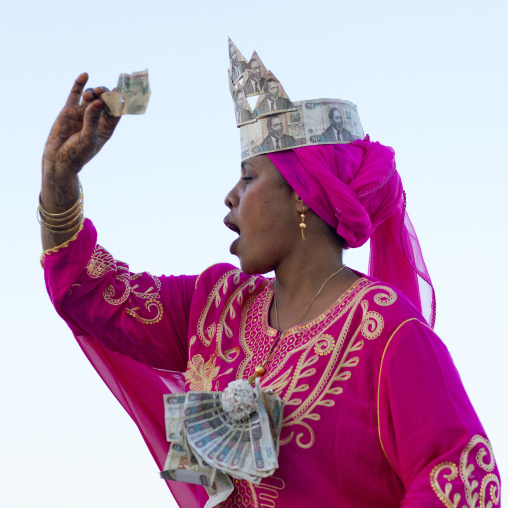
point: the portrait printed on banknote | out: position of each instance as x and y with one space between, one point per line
273 99
325 121
243 113
255 76
277 137
336 131
237 62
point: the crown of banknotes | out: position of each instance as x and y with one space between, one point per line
277 123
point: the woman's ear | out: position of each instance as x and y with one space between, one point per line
301 207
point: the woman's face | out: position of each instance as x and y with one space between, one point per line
263 211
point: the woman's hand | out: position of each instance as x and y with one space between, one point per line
79 131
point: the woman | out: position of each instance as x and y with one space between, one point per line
375 413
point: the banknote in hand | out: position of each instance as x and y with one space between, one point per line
131 95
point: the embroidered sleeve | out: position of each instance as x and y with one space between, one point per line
137 314
470 481
428 428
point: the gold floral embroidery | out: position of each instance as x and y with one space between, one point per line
102 262
201 374
490 488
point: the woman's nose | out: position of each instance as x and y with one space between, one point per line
229 199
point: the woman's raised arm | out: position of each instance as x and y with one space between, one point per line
79 132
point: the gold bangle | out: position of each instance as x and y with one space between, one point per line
54 227
49 216
67 212
69 219
81 219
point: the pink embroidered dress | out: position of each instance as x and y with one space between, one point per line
375 413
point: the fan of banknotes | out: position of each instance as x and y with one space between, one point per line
216 434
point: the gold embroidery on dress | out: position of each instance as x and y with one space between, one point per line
372 323
268 491
490 488
324 345
245 494
311 344
217 329
334 373
230 355
213 297
200 374
370 328
319 353
242 496
102 262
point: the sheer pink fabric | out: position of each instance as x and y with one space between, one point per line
356 189
375 416
137 367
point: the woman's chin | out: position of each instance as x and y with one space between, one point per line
252 268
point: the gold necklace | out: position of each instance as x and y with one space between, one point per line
260 369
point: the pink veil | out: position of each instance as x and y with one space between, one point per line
356 189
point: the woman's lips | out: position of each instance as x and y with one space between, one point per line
231 226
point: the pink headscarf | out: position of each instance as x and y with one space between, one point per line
356 189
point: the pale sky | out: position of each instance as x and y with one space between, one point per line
429 79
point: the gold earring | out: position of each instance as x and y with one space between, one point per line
303 225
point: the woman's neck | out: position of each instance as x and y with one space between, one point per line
313 276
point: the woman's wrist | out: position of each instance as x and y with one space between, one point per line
60 212
59 191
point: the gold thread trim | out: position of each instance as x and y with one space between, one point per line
379 385
199 276
300 327
47 252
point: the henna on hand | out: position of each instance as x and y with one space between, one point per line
80 131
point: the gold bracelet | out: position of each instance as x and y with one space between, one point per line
54 227
69 211
74 216
70 218
49 216
82 218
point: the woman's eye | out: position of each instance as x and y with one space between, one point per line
247 179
